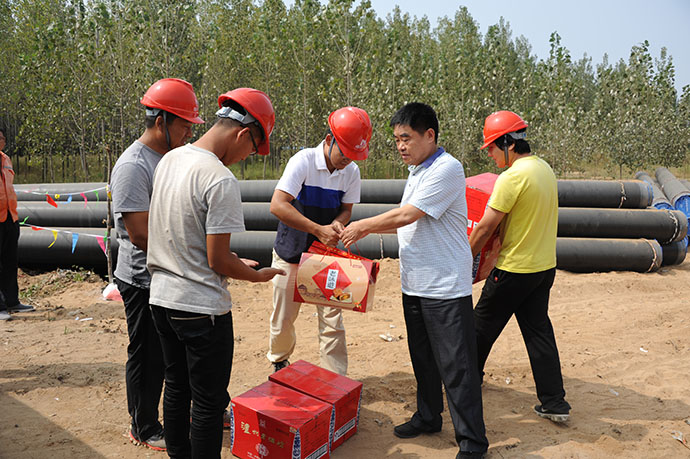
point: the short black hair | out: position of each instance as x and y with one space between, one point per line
418 116
151 120
521 145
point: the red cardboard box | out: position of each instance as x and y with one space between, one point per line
478 190
276 422
333 277
343 393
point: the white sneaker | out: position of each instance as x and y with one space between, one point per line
4 315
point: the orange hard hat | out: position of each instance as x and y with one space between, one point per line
174 96
500 123
351 128
258 105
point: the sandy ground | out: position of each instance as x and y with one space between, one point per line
624 343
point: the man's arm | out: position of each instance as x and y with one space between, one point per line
286 213
225 262
484 229
136 224
387 221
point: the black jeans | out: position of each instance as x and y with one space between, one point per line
197 350
9 238
144 369
442 348
526 296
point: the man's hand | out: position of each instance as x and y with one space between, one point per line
353 233
266 274
337 226
327 235
247 261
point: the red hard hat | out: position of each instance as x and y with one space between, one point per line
500 123
175 96
351 128
257 104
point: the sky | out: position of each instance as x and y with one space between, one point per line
592 27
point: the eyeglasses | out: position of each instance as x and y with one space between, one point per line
256 148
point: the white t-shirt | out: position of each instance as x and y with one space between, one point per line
435 255
194 194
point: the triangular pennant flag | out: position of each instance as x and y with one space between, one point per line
69 198
57 196
75 238
36 228
85 200
54 238
50 201
97 200
24 221
101 243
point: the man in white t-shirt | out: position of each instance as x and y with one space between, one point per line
313 201
436 278
195 207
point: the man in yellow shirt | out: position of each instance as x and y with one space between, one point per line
524 208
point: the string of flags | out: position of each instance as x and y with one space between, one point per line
52 197
75 236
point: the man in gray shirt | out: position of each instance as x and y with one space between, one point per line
171 109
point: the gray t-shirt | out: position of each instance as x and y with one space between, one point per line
194 194
131 184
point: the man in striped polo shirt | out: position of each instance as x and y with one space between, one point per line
313 201
436 281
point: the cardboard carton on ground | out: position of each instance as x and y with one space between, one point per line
276 422
478 190
343 393
335 278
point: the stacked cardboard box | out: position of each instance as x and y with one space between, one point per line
302 412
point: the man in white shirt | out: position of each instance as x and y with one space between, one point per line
195 207
313 201
436 278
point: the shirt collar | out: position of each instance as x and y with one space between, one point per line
320 159
429 161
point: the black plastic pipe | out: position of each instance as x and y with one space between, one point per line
626 194
582 255
674 252
659 199
256 245
257 215
662 225
74 214
35 253
670 185
686 183
61 191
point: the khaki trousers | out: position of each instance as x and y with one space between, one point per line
282 341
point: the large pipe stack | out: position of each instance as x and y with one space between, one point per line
603 225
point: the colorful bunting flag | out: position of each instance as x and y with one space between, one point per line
75 238
50 201
54 238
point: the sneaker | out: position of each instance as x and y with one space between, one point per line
4 315
155 442
277 366
227 420
551 415
410 430
20 307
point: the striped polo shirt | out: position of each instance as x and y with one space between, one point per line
318 195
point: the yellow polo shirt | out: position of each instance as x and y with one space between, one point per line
528 194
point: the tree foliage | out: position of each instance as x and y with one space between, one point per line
74 71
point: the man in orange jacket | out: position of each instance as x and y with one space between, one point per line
9 237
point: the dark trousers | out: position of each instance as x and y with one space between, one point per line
526 296
442 347
197 350
9 238
144 369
